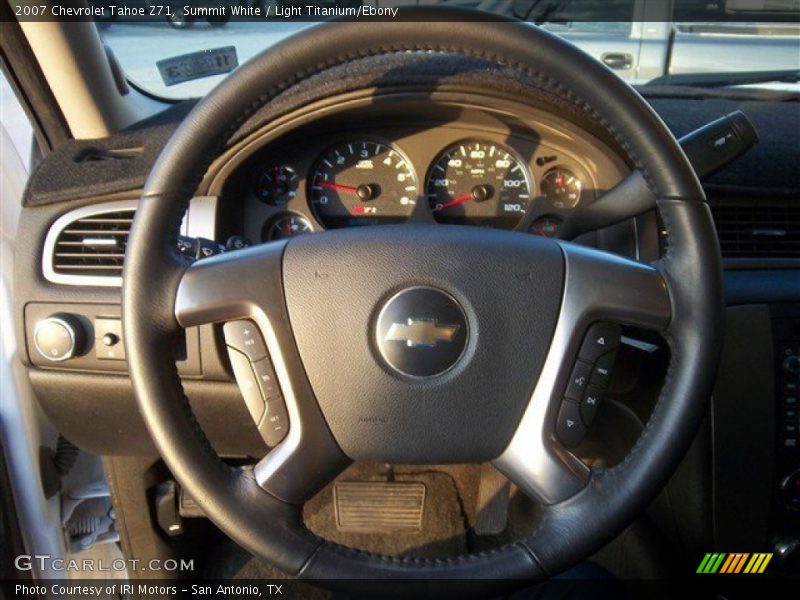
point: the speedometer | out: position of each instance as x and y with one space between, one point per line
479 183
363 182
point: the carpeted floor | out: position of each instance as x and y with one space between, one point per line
444 527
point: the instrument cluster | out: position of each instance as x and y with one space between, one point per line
487 180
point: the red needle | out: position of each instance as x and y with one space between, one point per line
329 185
455 202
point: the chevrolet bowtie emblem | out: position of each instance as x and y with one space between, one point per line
421 333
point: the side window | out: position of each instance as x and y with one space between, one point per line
15 122
579 16
733 11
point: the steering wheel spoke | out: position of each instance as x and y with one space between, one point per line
234 285
244 289
601 290
300 466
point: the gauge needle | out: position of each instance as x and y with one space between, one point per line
455 202
329 185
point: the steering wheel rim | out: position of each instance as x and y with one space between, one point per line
269 524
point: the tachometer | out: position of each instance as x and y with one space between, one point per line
363 182
479 183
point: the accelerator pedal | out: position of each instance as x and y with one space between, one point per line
379 507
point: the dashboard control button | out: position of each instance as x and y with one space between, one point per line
275 424
578 380
569 427
108 339
247 384
601 372
600 339
237 242
245 337
590 404
59 337
265 376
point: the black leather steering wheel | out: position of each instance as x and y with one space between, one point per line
318 301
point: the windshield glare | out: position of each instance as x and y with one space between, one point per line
187 52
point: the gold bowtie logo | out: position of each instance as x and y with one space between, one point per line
421 333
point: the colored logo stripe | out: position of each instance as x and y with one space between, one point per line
711 563
758 563
736 562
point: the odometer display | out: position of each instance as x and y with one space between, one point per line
362 183
479 183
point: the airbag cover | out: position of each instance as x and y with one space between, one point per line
509 287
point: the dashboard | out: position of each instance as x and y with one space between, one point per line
462 159
482 168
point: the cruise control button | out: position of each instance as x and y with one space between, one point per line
247 384
275 424
590 404
569 427
578 380
601 373
244 337
600 338
265 376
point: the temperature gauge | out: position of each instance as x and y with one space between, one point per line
562 188
287 226
546 227
277 185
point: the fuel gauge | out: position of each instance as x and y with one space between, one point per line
562 188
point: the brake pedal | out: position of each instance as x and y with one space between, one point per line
379 507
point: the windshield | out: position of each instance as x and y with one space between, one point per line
185 48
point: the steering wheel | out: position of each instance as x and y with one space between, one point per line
499 316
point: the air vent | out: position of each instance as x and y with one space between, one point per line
86 246
758 229
93 245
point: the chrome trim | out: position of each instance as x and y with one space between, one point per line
200 220
379 341
277 458
597 285
66 326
